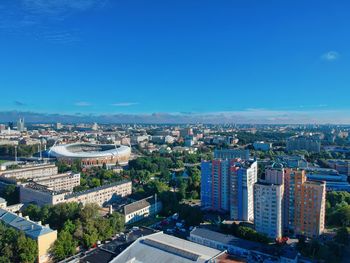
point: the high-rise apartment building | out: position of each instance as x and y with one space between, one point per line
293 180
228 185
244 175
20 125
310 205
268 202
232 154
307 143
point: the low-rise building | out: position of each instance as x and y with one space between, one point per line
160 248
262 146
43 235
141 209
252 251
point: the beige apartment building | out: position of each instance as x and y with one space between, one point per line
310 206
42 195
30 172
59 182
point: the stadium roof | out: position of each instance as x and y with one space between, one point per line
87 150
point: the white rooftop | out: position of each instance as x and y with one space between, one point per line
160 248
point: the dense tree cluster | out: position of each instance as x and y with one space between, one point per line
22 150
329 251
244 232
77 225
11 194
338 209
16 247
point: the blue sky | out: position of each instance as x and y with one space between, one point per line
273 59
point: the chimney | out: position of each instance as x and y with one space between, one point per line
27 217
20 214
39 223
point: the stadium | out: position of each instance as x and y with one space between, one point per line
91 154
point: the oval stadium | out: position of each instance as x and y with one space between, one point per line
91 154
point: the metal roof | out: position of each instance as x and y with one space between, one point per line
30 228
160 248
102 150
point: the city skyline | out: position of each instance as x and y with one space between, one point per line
246 61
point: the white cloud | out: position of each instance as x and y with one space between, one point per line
82 104
330 56
124 104
60 6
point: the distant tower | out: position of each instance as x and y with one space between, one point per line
94 127
20 125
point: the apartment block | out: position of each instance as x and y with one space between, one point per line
58 182
268 207
310 206
42 195
227 185
30 172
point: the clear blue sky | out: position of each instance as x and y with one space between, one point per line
131 56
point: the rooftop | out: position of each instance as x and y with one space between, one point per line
135 206
106 186
160 248
242 243
30 228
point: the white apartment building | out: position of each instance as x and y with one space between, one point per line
268 201
244 175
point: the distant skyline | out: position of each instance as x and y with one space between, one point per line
186 60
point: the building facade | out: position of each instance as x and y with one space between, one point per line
268 207
58 182
244 174
227 185
307 143
30 172
232 154
42 195
310 206
141 209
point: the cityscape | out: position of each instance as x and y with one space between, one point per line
174 132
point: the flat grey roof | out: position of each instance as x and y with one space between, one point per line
242 243
160 248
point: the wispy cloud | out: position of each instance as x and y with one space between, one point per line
40 19
60 6
82 104
124 104
19 103
330 56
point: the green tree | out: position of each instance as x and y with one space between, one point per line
11 194
27 249
342 236
64 246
